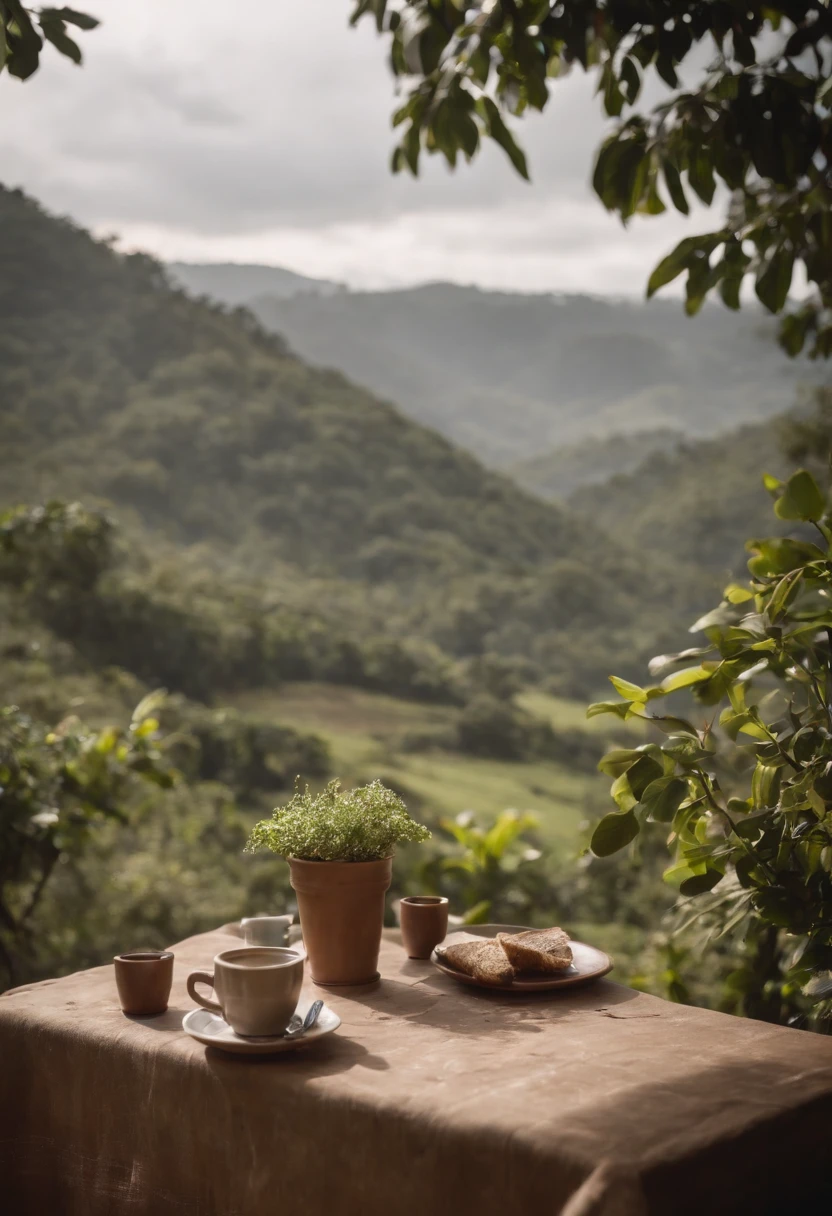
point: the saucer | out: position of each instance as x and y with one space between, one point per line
210 1029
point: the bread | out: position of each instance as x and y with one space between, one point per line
484 960
537 949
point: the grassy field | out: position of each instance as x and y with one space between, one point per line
364 731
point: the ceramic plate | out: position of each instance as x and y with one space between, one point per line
210 1029
588 964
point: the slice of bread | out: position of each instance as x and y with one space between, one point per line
485 960
537 949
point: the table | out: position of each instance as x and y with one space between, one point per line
431 1100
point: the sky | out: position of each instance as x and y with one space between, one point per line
203 131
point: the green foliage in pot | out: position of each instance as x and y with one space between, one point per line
745 795
363 824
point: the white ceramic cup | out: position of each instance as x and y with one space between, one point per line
257 988
266 930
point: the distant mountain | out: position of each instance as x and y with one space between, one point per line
511 376
237 283
557 474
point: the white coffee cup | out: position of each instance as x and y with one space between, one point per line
257 988
266 930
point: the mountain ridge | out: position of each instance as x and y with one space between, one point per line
237 283
509 375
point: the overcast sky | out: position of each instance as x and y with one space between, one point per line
260 132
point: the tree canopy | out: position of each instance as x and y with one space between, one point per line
756 124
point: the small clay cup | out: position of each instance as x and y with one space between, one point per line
143 979
424 923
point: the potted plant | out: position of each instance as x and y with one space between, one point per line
339 845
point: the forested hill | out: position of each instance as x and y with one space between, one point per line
511 376
198 424
699 502
114 383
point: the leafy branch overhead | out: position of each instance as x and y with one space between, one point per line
746 795
23 32
756 124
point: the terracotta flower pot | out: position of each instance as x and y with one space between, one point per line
341 906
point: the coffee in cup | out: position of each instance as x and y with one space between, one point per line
257 988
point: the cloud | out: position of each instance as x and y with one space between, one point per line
264 135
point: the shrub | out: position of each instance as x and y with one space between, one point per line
746 795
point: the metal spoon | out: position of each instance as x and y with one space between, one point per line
297 1027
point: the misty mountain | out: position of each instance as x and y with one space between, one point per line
561 471
512 376
236 283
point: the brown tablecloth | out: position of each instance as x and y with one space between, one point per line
431 1100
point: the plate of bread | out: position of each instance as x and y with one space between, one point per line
515 958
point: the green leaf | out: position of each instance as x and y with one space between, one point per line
613 97
782 593
622 794
675 188
501 135
617 761
732 723
653 204
642 774
802 499
686 677
779 555
628 690
614 832
727 87
665 68
669 268
631 79
671 725
701 175
764 785
619 708
794 329
663 797
698 884
72 17
743 49
775 278
736 594
662 661
411 146
24 45
54 32
432 42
